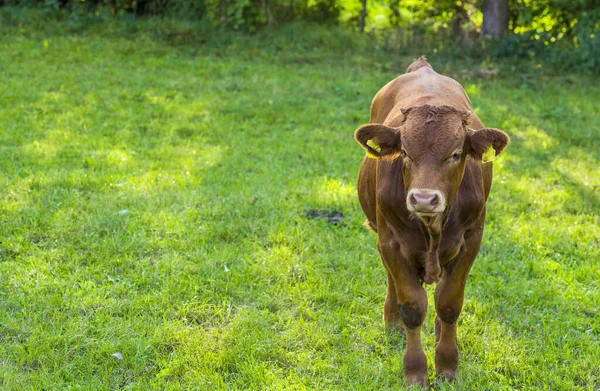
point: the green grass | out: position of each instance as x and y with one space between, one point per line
156 187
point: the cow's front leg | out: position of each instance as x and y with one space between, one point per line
412 307
449 295
448 309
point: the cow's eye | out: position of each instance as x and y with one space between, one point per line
403 152
455 156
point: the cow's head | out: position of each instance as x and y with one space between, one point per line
433 143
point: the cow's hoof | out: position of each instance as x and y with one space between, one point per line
415 368
447 375
446 361
417 380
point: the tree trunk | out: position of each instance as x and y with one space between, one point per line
495 19
268 15
363 16
394 6
459 34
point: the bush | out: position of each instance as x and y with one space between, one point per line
560 34
250 15
578 50
247 15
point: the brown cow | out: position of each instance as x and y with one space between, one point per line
423 187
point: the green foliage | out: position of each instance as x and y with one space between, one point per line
158 182
536 47
250 15
566 38
563 34
192 9
549 15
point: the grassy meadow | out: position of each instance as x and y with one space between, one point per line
164 204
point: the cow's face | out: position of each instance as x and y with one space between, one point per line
433 157
433 143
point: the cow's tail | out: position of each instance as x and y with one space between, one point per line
419 63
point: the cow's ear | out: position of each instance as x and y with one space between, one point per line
481 142
379 140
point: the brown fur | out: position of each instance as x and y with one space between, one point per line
428 139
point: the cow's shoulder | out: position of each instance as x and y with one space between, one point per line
390 185
470 199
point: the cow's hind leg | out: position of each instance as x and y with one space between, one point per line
391 310
411 304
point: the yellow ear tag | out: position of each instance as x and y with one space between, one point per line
489 155
372 144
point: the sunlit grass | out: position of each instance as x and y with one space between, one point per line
157 198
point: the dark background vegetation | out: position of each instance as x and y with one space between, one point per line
555 34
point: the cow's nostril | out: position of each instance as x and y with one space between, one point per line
425 201
412 199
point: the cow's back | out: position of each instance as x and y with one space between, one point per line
416 88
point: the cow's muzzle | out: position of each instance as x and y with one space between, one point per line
425 202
